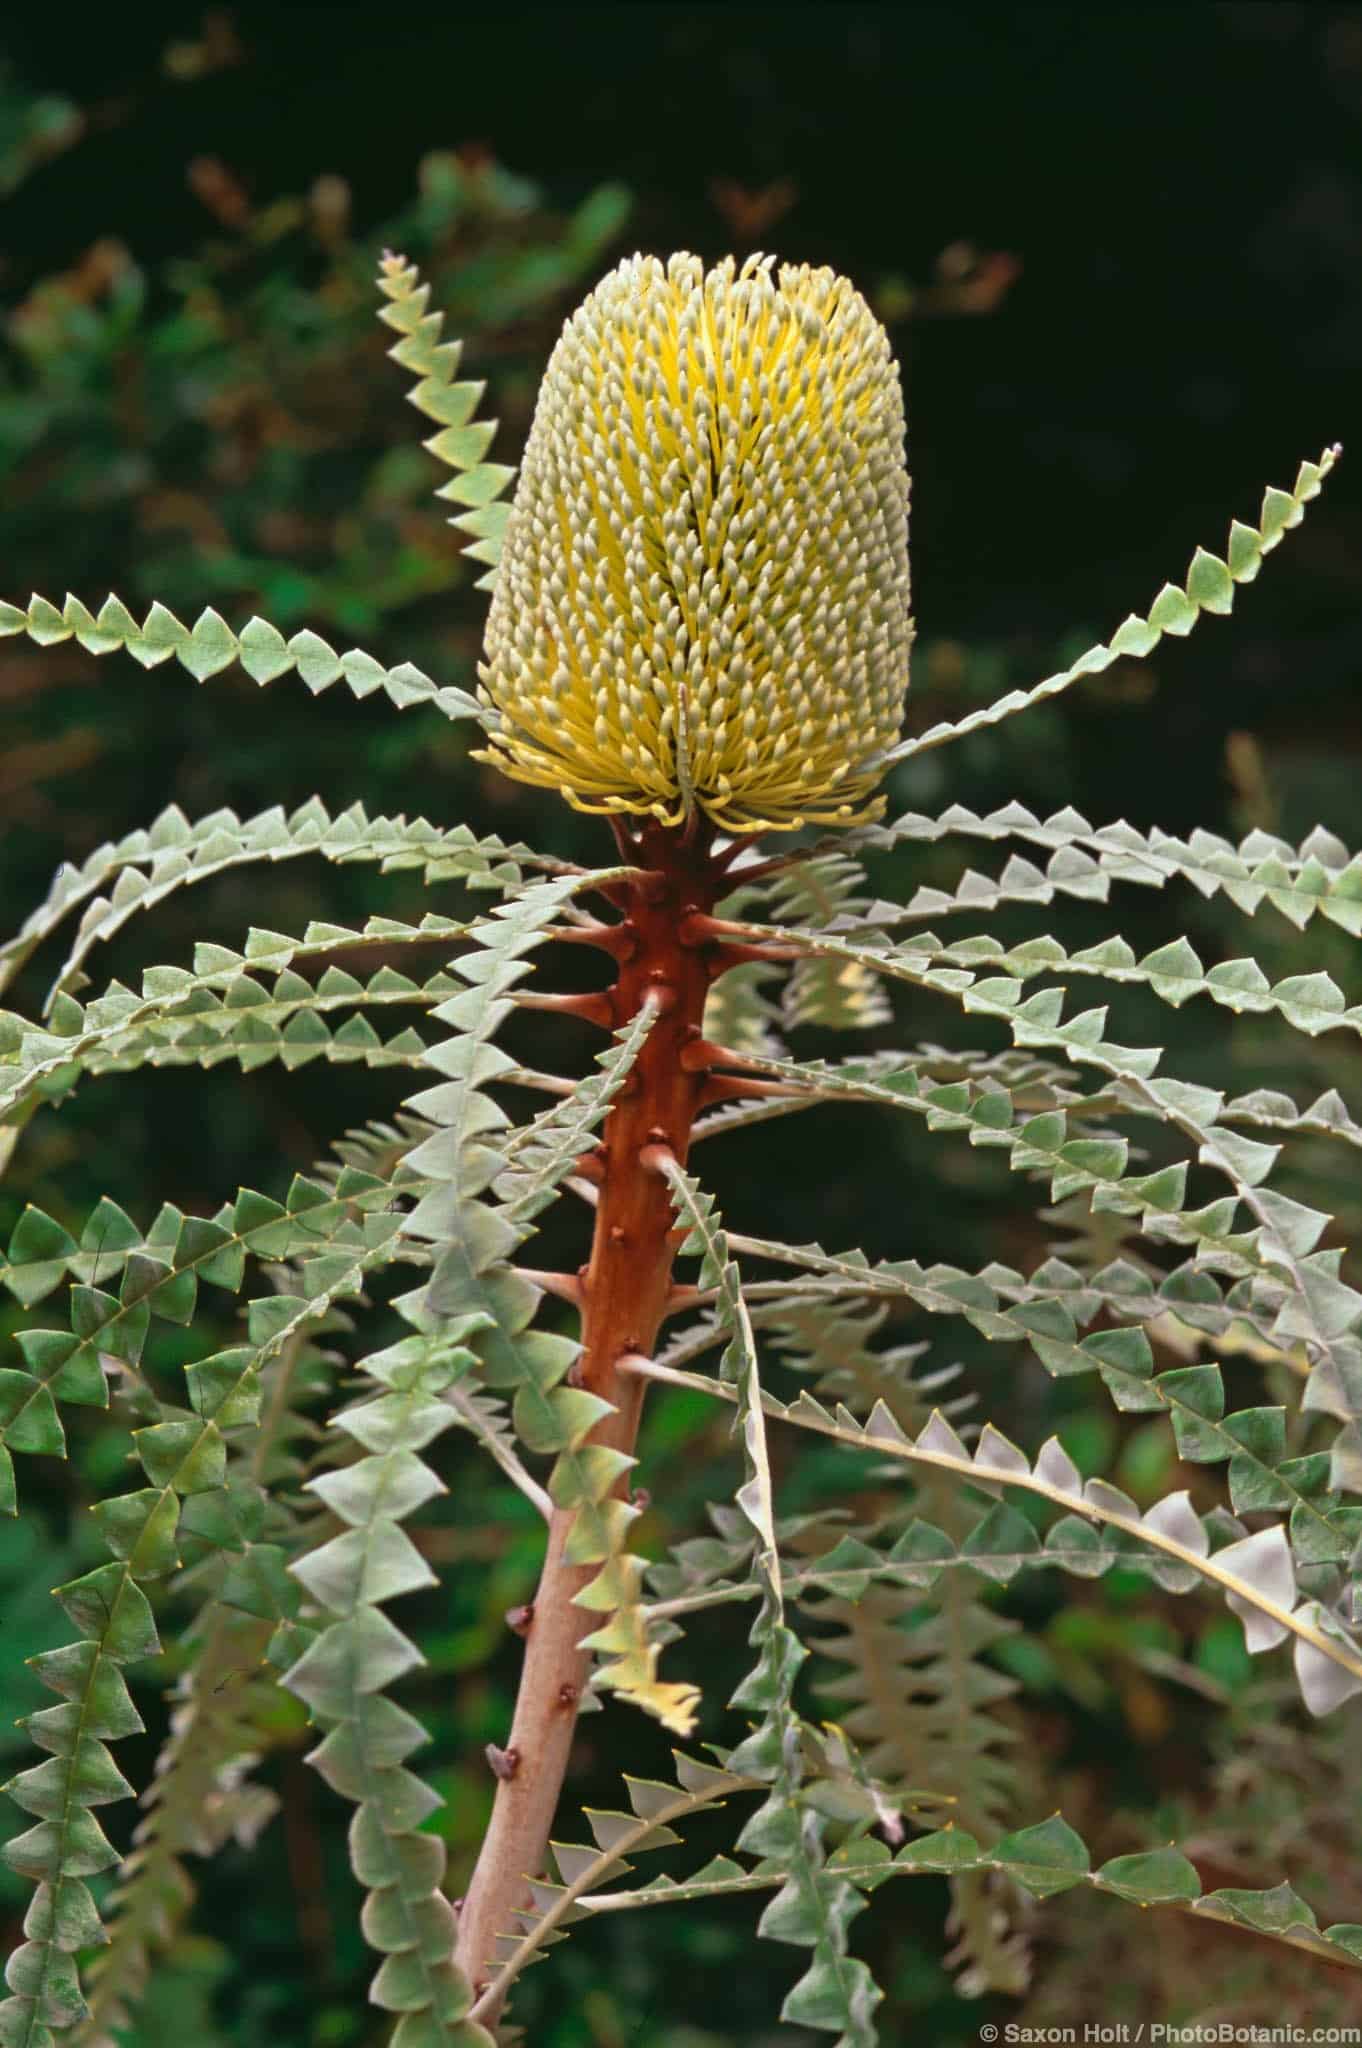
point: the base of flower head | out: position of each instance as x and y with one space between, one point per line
729 810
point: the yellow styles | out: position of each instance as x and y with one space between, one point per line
702 600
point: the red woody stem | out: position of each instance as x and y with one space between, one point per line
624 1295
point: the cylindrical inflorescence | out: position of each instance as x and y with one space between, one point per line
702 600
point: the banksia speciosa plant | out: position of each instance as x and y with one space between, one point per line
699 627
703 595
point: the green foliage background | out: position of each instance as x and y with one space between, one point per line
195 405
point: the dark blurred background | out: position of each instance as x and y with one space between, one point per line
1120 255
1176 190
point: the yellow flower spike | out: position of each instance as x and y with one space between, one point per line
702 600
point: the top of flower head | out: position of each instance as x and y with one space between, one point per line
702 601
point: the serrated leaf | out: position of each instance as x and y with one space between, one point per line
1047 1858
1153 1878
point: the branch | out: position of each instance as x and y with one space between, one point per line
1261 1583
1209 587
618 1837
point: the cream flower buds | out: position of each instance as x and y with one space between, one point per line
702 600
